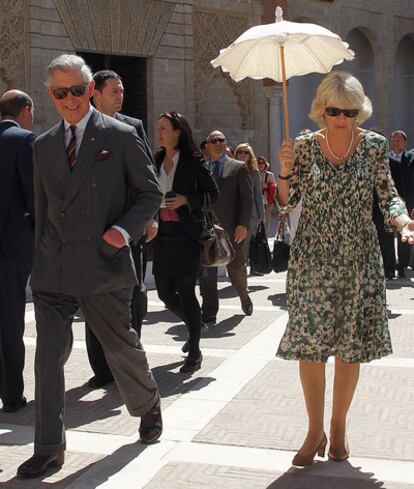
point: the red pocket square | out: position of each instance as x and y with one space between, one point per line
104 155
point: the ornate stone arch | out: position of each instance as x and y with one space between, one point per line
13 44
212 32
115 26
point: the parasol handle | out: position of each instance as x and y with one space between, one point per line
285 96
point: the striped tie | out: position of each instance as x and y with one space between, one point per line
71 149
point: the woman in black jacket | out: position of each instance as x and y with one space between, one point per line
187 183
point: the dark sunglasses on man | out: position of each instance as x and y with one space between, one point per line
335 112
217 140
75 90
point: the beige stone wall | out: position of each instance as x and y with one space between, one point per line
14 68
179 38
384 22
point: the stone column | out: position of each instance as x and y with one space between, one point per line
275 124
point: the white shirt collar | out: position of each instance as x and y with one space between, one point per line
81 125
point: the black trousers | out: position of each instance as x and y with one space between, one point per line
386 242
178 294
14 273
139 307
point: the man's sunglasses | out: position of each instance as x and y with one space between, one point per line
335 112
217 140
75 90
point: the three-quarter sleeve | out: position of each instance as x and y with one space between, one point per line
390 202
302 155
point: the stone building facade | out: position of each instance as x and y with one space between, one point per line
173 42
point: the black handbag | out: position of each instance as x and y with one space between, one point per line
259 252
281 248
216 247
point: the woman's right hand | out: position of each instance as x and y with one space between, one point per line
286 157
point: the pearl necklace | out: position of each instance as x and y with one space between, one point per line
339 158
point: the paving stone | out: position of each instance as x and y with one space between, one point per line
197 476
102 410
12 456
269 412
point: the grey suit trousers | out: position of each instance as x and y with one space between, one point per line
109 317
238 278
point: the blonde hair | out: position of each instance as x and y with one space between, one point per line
344 87
252 163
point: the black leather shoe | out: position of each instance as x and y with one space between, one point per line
191 364
247 307
98 382
402 273
151 425
209 319
38 464
12 407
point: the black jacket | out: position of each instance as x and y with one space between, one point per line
16 191
193 179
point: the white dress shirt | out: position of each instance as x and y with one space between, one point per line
80 130
165 179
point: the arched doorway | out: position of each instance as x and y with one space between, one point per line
404 88
362 67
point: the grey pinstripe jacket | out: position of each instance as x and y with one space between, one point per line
74 208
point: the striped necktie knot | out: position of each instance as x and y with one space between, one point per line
71 149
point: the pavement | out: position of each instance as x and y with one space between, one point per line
238 421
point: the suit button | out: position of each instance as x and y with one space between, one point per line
93 184
64 240
62 215
89 238
88 213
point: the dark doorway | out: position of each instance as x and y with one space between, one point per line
133 71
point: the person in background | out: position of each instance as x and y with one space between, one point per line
233 209
244 152
108 97
186 183
268 183
16 240
403 162
336 286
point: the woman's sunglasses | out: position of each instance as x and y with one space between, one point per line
335 112
75 90
243 152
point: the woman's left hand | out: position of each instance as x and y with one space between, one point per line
407 233
176 202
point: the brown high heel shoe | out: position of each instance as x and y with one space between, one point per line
305 460
339 454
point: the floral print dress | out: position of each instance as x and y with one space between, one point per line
336 286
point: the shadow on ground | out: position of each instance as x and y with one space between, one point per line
327 474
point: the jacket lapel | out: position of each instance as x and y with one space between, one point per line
228 165
92 142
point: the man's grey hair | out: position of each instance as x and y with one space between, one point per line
69 62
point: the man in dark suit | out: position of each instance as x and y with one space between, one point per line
108 96
404 162
233 209
16 240
85 169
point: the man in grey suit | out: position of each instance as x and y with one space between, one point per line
85 168
108 96
233 210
